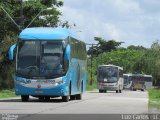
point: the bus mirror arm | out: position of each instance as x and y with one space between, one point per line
67 53
11 52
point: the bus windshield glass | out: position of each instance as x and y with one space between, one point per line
40 59
126 81
108 74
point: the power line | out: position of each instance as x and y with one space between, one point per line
10 17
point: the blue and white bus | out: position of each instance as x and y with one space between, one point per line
50 62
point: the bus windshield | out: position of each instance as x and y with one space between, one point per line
108 74
40 59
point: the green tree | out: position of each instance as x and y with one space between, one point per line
30 9
133 47
149 63
103 46
9 31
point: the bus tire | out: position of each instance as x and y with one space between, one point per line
143 88
47 98
116 91
41 98
79 97
24 98
72 97
100 91
120 91
104 91
65 98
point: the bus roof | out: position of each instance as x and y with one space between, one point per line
110 65
46 33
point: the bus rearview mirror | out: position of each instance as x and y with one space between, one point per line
67 53
11 52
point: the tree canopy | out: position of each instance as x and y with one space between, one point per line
49 17
103 46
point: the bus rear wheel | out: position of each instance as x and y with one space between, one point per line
120 91
79 97
24 98
65 98
72 97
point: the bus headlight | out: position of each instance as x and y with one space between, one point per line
58 81
115 84
20 82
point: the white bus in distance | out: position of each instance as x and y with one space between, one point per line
137 81
109 78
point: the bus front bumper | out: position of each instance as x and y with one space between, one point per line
59 90
107 87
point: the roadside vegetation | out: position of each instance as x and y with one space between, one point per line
7 94
133 59
154 97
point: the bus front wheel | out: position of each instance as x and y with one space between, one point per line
41 98
47 98
24 98
65 98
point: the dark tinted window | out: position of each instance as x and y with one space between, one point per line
78 49
120 73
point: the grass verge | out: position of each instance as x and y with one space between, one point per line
7 93
91 87
154 97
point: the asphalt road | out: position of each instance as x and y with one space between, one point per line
134 102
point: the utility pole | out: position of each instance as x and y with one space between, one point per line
91 66
91 81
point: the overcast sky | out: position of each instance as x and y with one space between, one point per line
135 22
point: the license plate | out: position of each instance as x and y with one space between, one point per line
39 91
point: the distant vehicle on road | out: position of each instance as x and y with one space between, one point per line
50 62
137 81
127 81
110 78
